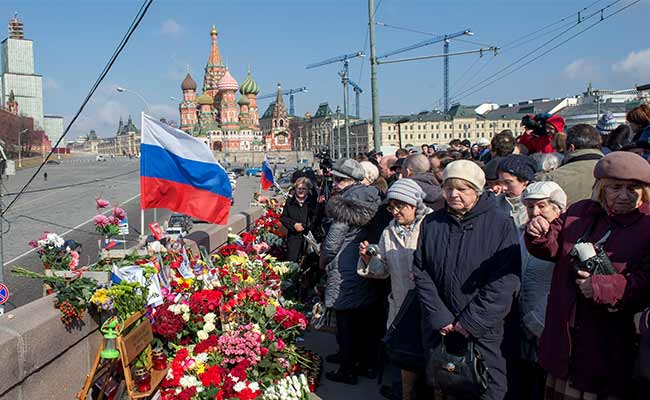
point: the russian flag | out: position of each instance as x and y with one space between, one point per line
179 172
267 176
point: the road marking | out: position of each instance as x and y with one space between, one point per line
66 232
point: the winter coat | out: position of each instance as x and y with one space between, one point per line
536 144
394 260
293 213
536 275
467 270
592 341
431 188
514 208
349 212
576 175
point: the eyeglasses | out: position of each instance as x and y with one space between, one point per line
395 208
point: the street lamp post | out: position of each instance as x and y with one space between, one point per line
338 131
146 104
20 148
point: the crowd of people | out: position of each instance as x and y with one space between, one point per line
532 250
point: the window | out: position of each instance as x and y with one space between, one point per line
419 137
437 136
411 127
437 126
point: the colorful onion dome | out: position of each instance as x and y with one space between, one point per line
188 83
243 101
204 99
249 86
227 82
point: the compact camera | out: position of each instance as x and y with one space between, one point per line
372 250
591 259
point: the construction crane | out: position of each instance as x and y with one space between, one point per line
290 93
345 80
433 40
357 92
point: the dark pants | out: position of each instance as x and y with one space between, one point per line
358 332
294 247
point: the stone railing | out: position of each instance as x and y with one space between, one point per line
41 360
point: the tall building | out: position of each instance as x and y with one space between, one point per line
225 121
17 75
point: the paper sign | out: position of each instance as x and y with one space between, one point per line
124 226
156 230
184 268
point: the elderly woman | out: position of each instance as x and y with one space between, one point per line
466 270
515 173
588 344
298 217
394 256
353 298
546 200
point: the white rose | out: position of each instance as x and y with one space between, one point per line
209 317
254 386
189 381
202 335
186 317
209 327
202 358
239 386
184 308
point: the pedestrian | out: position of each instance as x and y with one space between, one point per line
606 125
639 120
298 217
618 138
371 177
384 169
466 270
45 176
575 176
546 200
588 344
492 182
416 167
394 253
515 173
353 298
547 162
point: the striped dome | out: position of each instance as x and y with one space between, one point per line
249 86
227 82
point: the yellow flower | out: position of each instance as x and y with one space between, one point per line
273 301
200 367
100 297
237 260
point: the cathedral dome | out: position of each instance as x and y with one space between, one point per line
249 86
227 82
243 101
188 83
205 99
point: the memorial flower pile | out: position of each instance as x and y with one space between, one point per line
54 254
108 225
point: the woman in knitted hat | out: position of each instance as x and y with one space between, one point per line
515 173
466 271
394 255
588 344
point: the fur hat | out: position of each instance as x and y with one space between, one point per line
466 170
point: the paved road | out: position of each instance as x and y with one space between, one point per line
65 204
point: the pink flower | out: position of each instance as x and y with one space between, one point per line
101 203
112 220
119 213
101 220
74 263
33 243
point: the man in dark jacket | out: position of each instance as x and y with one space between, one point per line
466 270
298 217
416 167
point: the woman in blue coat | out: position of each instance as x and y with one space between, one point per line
467 269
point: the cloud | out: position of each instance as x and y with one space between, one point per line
50 83
169 112
636 66
171 28
581 69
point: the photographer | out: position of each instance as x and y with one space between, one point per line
540 133
588 344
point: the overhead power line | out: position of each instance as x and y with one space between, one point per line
490 82
125 39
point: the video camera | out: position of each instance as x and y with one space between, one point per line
536 123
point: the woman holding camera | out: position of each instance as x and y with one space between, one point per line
393 257
588 344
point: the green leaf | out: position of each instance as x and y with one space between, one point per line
269 310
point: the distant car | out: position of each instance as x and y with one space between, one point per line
53 162
270 159
254 171
238 171
282 160
100 158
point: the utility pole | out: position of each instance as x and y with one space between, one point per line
344 80
376 122
446 74
338 128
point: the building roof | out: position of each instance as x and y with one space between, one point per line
215 57
323 110
188 83
269 111
460 111
204 99
538 106
589 108
249 86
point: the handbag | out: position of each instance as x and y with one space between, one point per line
642 362
402 342
323 319
459 375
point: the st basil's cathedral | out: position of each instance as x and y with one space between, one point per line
225 121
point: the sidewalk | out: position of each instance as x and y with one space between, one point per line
324 344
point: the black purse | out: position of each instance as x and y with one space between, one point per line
460 375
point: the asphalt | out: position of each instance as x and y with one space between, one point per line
65 204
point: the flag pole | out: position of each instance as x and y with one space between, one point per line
141 164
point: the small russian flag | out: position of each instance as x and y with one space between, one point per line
267 176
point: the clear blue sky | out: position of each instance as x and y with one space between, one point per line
74 38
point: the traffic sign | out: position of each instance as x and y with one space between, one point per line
4 294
